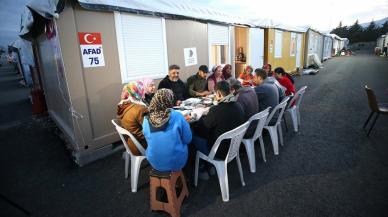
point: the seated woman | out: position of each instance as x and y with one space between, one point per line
246 77
227 71
214 78
131 111
149 89
268 68
283 79
167 133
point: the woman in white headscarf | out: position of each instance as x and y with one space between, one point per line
149 89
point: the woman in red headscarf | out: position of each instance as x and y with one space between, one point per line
246 77
227 71
268 68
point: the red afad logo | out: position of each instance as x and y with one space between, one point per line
86 38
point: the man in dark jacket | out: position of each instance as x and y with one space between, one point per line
219 119
225 116
247 98
172 82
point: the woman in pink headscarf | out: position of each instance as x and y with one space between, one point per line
131 110
149 89
215 77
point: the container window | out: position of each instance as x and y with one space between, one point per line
142 46
218 37
278 43
219 55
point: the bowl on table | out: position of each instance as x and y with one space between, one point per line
207 101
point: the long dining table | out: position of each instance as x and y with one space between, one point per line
194 108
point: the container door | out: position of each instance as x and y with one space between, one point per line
256 47
298 49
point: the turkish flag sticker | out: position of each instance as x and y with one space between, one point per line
86 38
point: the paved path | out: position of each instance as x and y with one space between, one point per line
330 168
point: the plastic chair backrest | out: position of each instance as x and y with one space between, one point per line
297 99
261 117
235 136
373 104
281 106
121 131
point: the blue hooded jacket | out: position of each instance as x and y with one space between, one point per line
167 148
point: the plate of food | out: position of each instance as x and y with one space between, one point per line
187 107
192 101
184 112
207 101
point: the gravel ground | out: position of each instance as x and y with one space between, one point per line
329 168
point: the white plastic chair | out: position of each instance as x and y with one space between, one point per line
135 159
275 131
235 137
261 117
293 107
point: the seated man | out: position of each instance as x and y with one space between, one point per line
281 88
172 82
197 84
225 116
167 133
247 98
266 90
270 75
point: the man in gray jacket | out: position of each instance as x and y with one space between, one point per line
266 90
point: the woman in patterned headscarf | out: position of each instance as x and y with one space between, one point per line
160 108
131 110
167 133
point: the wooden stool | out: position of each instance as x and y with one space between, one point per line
168 181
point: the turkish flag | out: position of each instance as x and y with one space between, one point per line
86 38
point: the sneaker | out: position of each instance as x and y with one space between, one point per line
211 171
203 175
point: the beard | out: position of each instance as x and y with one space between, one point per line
174 79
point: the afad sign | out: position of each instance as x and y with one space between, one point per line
91 49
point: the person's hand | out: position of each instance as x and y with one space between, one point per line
205 93
187 118
178 103
218 96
